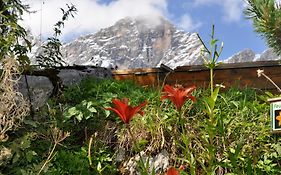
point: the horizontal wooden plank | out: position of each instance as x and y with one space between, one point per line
272 63
238 75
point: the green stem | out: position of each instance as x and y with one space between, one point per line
48 159
138 148
89 151
181 120
211 81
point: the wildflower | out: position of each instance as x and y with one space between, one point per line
172 171
178 95
260 72
124 110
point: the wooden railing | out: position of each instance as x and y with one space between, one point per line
237 74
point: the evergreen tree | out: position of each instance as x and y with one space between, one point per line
266 16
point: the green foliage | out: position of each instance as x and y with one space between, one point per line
225 133
235 141
13 39
50 54
211 55
23 158
105 91
83 110
102 162
266 17
69 162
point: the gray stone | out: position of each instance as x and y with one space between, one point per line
72 76
40 89
159 163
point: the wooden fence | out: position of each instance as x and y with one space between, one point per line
237 74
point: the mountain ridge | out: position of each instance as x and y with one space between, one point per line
132 43
142 42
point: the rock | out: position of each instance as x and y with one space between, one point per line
40 89
71 76
159 163
120 155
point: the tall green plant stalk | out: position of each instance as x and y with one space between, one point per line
213 125
211 55
212 80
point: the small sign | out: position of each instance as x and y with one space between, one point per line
275 114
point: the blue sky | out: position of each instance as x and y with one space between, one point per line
231 27
235 31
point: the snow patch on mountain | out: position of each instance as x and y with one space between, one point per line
138 43
248 55
135 43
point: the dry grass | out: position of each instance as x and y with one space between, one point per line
13 107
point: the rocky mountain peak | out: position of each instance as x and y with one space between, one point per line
135 43
143 42
248 55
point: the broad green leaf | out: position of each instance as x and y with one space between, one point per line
93 109
215 93
79 117
72 111
107 113
99 167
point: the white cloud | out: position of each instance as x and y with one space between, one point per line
187 23
232 9
92 15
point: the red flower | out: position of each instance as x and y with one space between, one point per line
172 171
125 111
178 95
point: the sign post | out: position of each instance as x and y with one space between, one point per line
275 114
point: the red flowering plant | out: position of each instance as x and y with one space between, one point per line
178 95
124 110
126 113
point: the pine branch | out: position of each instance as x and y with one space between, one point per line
266 17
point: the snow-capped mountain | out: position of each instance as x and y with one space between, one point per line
143 43
248 55
135 43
